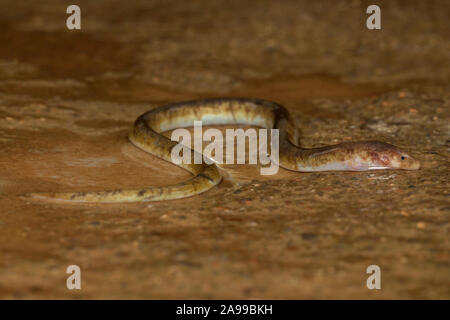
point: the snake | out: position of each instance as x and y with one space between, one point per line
146 134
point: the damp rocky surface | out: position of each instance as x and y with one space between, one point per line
68 99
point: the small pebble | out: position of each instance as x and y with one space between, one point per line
246 202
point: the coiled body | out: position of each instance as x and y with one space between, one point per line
146 135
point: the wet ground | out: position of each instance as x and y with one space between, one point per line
68 99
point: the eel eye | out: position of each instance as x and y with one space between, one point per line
403 158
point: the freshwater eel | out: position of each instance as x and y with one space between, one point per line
146 135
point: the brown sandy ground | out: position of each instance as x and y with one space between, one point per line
68 98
